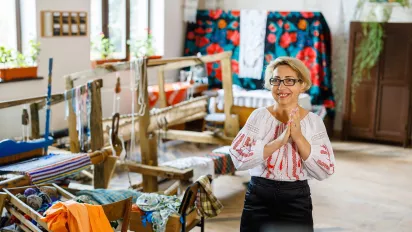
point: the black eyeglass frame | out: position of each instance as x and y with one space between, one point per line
271 80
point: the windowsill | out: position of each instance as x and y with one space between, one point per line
21 79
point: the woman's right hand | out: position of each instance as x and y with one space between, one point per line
274 145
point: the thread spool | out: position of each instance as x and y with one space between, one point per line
46 198
22 197
29 192
34 201
49 190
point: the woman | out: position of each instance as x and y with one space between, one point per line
282 146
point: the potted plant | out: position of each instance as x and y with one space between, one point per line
15 64
144 47
371 45
105 48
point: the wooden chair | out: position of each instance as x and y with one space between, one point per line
119 210
188 205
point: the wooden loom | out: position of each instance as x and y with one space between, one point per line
146 124
190 110
103 159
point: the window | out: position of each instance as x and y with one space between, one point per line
95 25
117 27
8 25
28 23
139 19
126 20
17 24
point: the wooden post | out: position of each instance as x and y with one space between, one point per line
161 81
96 133
148 146
35 125
73 136
231 126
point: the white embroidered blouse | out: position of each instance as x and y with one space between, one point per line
285 164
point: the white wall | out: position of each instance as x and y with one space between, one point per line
70 54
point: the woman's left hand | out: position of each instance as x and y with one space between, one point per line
295 129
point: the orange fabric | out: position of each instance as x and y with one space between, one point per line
98 219
175 93
76 217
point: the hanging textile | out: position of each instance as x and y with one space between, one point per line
215 31
190 10
252 43
304 35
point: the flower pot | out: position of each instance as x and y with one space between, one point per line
8 74
95 63
154 57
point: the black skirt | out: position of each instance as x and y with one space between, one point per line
277 206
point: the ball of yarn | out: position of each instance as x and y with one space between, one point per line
34 201
29 192
49 190
46 198
21 197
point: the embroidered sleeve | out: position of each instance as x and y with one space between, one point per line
246 150
321 161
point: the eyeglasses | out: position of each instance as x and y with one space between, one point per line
286 82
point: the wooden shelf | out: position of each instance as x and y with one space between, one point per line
22 79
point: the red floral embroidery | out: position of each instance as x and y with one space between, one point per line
328 165
294 162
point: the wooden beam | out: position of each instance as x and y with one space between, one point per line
11 103
22 219
73 136
195 137
26 210
198 60
3 197
97 157
109 167
35 123
148 147
20 180
54 100
161 83
231 126
156 171
96 133
180 62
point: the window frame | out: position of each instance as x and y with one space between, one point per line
105 22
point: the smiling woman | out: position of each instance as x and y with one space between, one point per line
282 146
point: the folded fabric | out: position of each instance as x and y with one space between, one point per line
106 196
207 204
76 217
157 209
200 165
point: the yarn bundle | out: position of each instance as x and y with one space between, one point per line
39 199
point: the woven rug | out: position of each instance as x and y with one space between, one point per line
50 167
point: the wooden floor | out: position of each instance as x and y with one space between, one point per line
370 191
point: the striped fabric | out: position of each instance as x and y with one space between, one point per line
60 169
223 163
49 167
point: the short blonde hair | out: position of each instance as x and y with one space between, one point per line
295 64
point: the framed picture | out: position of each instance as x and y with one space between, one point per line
63 23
